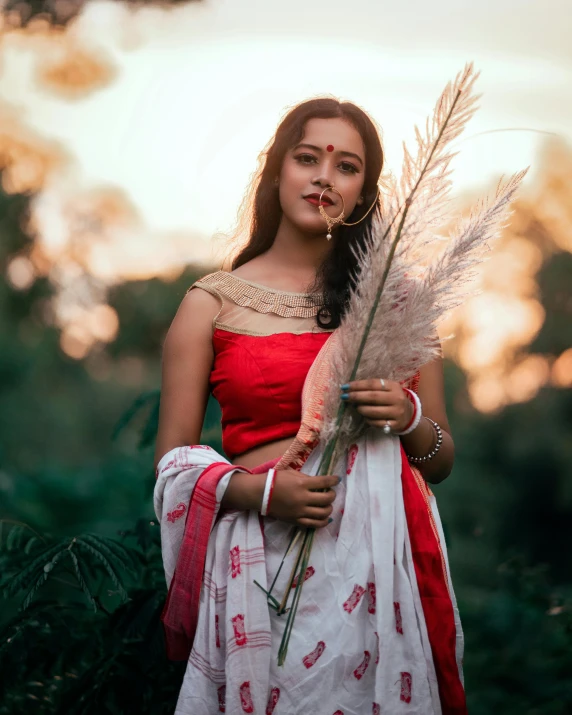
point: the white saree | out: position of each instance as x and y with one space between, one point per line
360 642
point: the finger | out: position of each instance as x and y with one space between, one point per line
373 412
321 498
371 397
382 423
317 512
327 482
313 524
371 384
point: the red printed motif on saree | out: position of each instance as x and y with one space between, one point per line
272 700
238 627
375 709
310 659
398 619
352 454
246 698
362 667
235 561
310 571
339 712
405 687
217 633
177 512
221 701
354 599
200 446
371 597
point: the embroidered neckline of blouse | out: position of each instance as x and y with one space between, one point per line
262 298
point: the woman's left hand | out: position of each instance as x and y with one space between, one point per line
380 402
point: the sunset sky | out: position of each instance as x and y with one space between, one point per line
152 119
197 90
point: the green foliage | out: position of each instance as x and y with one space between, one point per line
86 637
519 645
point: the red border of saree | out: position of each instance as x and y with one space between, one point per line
180 613
433 589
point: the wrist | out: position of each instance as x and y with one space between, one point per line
420 440
415 413
245 491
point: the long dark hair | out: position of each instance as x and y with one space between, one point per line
339 270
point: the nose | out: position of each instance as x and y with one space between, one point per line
324 178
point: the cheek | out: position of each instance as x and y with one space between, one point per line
292 176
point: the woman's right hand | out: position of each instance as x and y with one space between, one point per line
295 498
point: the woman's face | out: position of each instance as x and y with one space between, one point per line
331 153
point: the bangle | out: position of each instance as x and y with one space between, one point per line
268 489
435 449
417 412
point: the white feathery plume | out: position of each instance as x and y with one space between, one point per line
389 328
425 184
403 334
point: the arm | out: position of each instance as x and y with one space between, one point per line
186 365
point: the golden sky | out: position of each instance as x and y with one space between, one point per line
185 98
148 121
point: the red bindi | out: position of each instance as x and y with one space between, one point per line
330 147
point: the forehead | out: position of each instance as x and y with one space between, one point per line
338 132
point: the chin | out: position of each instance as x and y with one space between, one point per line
313 225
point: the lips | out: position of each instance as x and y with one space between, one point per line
314 199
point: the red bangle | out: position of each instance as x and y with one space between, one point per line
412 420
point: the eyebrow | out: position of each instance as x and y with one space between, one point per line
317 148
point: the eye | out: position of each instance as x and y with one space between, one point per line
346 166
305 159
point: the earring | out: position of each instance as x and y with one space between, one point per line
360 201
276 181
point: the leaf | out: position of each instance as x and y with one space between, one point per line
104 561
114 550
18 581
41 579
81 578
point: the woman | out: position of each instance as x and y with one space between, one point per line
367 638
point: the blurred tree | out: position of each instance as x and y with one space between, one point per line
60 12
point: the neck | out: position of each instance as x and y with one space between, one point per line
297 251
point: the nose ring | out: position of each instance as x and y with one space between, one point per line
331 222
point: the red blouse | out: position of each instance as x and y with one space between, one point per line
257 381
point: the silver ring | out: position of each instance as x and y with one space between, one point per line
382 383
386 428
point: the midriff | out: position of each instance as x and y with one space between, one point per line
264 453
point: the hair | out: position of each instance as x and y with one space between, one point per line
261 210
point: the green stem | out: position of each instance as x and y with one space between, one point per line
330 448
307 548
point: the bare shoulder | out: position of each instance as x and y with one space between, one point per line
193 320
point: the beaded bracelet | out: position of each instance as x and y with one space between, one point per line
436 448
